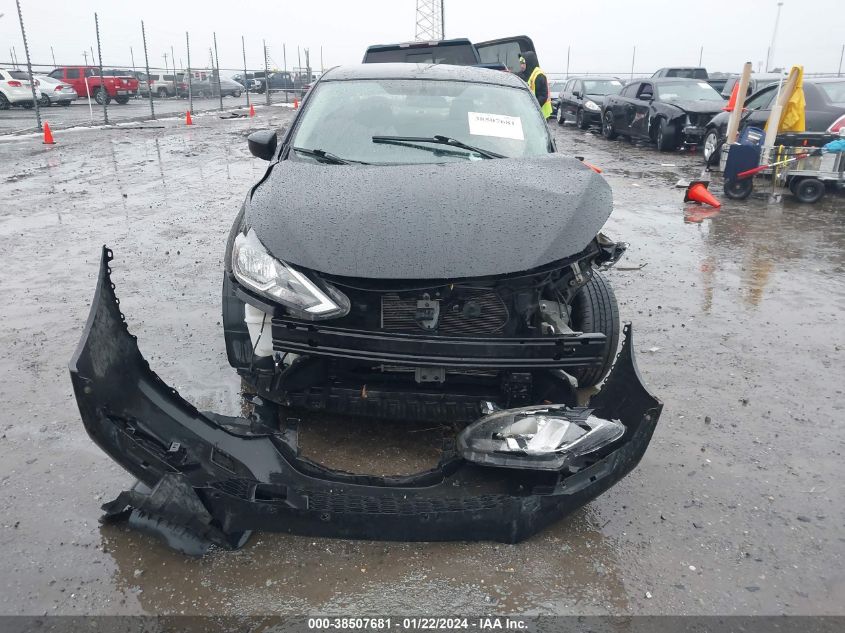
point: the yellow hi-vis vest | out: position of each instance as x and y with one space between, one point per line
547 106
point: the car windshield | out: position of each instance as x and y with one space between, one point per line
698 91
689 73
342 117
602 87
834 90
19 74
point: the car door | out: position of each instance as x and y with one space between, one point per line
577 96
638 110
566 99
825 104
76 78
619 104
505 51
759 107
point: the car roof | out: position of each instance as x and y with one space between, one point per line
809 80
822 80
420 44
765 76
445 72
595 78
661 81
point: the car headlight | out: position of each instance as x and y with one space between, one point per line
545 437
591 105
256 269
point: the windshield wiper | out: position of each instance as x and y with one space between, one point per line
437 151
439 140
327 157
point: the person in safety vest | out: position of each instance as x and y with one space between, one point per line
530 71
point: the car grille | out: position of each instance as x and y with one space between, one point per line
472 311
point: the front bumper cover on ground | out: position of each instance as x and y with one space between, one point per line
211 479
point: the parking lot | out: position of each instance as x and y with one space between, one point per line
21 120
735 509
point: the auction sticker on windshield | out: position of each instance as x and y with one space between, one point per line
499 125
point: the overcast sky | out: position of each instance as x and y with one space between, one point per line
601 33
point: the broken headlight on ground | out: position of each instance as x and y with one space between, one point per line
538 437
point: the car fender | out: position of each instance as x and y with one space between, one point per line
670 113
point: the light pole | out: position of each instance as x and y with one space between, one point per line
770 57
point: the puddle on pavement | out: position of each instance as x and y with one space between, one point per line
371 446
571 566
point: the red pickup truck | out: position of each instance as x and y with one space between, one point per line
116 84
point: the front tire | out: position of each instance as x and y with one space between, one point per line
580 121
561 117
711 148
594 309
122 100
4 102
667 138
607 129
44 101
101 96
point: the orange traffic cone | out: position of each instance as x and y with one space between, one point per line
732 101
48 135
296 103
697 192
251 110
188 120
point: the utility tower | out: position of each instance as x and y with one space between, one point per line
430 20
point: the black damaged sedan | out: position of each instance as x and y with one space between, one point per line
671 112
421 254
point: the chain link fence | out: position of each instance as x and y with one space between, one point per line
102 89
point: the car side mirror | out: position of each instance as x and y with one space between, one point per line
577 94
262 144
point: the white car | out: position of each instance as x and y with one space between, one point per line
54 91
14 91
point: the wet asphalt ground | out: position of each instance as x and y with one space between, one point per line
78 113
737 507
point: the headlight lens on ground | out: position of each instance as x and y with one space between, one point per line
538 437
591 105
259 271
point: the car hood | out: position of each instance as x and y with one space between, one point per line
698 107
435 221
597 99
